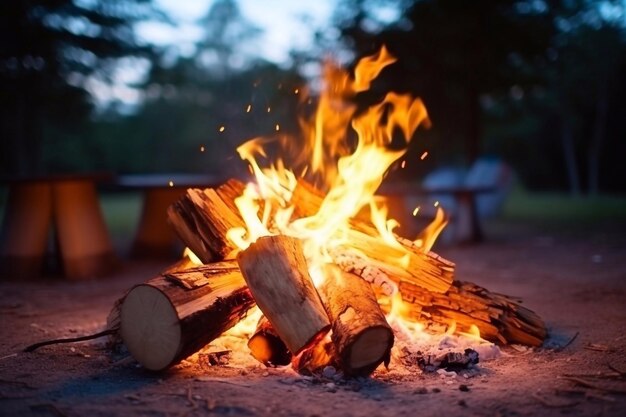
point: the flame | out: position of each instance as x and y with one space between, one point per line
193 258
349 170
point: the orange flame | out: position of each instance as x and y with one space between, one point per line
350 171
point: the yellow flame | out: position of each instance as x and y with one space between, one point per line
188 253
428 236
349 170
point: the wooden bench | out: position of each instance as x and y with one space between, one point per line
154 237
66 204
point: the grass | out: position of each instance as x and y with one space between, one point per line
121 213
563 208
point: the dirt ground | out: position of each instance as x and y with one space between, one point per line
575 280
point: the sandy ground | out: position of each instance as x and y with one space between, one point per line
576 281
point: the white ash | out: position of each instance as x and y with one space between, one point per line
350 261
409 344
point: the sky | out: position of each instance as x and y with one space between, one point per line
285 25
280 20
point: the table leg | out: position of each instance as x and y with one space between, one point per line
83 238
24 240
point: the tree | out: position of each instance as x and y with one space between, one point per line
226 33
454 52
51 51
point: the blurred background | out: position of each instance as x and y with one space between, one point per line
160 86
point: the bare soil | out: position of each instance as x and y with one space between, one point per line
576 280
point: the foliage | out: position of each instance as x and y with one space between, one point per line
533 81
52 55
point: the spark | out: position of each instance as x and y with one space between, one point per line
436 204
269 109
171 183
424 155
222 128
296 91
277 127
403 164
248 108
416 210
202 148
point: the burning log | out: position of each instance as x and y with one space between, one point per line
203 217
266 346
175 314
362 337
276 272
498 317
427 270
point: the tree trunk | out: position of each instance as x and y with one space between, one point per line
597 138
569 155
277 274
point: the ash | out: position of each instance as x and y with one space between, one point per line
445 354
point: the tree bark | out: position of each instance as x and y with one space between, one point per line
174 315
277 274
498 317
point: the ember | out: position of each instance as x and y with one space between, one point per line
335 284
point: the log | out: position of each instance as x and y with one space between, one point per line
175 314
498 317
202 218
426 269
266 346
362 337
277 274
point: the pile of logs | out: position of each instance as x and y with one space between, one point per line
342 322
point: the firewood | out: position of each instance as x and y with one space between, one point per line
175 314
362 337
277 274
498 317
266 346
203 217
426 269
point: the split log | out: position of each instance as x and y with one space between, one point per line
277 274
426 269
203 217
362 337
175 314
266 346
498 317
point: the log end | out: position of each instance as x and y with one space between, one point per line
269 349
369 349
150 327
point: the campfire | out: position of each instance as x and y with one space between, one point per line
309 242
